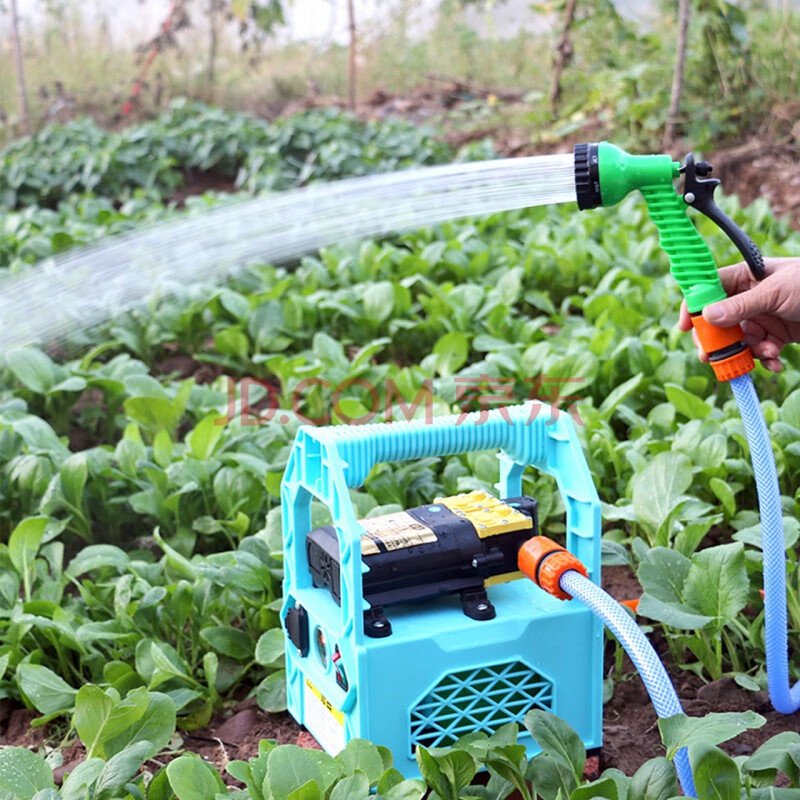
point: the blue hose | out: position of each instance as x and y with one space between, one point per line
786 700
641 652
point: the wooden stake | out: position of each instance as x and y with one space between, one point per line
351 71
212 48
563 55
22 95
677 77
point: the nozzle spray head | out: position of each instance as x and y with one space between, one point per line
605 174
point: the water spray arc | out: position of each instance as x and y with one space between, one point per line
83 287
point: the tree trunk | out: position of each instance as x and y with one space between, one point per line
212 48
351 70
563 55
677 78
22 95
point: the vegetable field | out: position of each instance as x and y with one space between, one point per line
140 463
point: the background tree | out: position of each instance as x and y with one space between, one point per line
22 95
677 78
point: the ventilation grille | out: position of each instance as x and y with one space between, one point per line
480 699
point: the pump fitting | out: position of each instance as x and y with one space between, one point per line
545 561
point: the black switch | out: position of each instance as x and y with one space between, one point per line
297 628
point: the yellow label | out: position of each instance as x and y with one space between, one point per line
326 704
394 532
322 719
487 514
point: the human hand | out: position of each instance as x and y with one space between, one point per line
769 310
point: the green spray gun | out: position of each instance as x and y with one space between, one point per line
605 174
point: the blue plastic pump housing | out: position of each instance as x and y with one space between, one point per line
441 674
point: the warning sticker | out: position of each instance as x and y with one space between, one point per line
488 515
324 721
393 532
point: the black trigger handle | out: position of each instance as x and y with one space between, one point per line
699 194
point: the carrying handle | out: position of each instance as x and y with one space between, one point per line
513 430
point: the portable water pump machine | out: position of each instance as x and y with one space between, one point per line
411 629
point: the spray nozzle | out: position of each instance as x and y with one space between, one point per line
698 192
605 174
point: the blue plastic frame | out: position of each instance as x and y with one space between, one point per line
559 641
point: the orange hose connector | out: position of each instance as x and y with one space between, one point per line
728 355
545 561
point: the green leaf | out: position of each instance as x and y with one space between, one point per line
660 487
663 572
97 556
353 787
23 544
191 778
715 773
231 642
682 731
620 393
98 717
656 779
73 474
23 773
271 647
34 369
271 692
781 752
717 584
686 403
308 791
156 726
204 437
162 449
752 535
290 767
361 755
77 783
379 301
406 790
552 776
790 410
724 494
446 772
451 351
234 342
557 738
49 693
604 787
120 769
675 615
